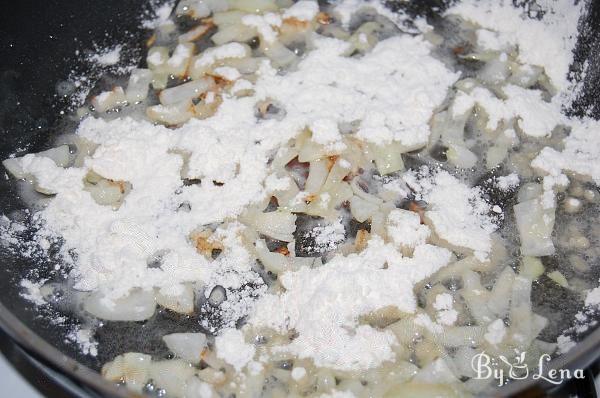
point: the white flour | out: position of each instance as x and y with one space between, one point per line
230 154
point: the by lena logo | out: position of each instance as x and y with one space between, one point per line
502 370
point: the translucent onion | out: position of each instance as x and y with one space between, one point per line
171 375
139 305
499 299
137 88
280 55
194 33
187 346
157 57
361 209
179 61
182 302
535 225
277 224
317 174
461 157
171 114
233 33
109 99
133 368
253 6
186 92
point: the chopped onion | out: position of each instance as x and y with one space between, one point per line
137 88
531 268
559 278
109 99
388 158
14 167
361 209
280 55
461 157
178 63
233 33
157 57
139 305
254 6
171 114
277 224
171 375
186 92
317 175
499 299
182 302
187 346
535 225
133 368
195 33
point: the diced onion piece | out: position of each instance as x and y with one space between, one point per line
171 376
171 114
459 336
233 33
160 79
139 305
461 157
180 60
106 193
280 55
194 8
531 268
520 312
277 224
133 368
13 166
157 57
205 62
535 225
244 65
182 302
255 6
272 261
205 109
388 158
361 209
196 388
317 175
186 92
499 299
495 71
496 154
60 155
109 99
195 33
139 82
559 278
187 346
529 191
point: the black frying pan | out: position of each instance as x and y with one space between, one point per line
38 41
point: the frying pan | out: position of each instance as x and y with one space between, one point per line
38 44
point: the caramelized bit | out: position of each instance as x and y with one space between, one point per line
205 243
362 237
331 161
418 207
324 19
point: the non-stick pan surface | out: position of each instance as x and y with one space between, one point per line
39 43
